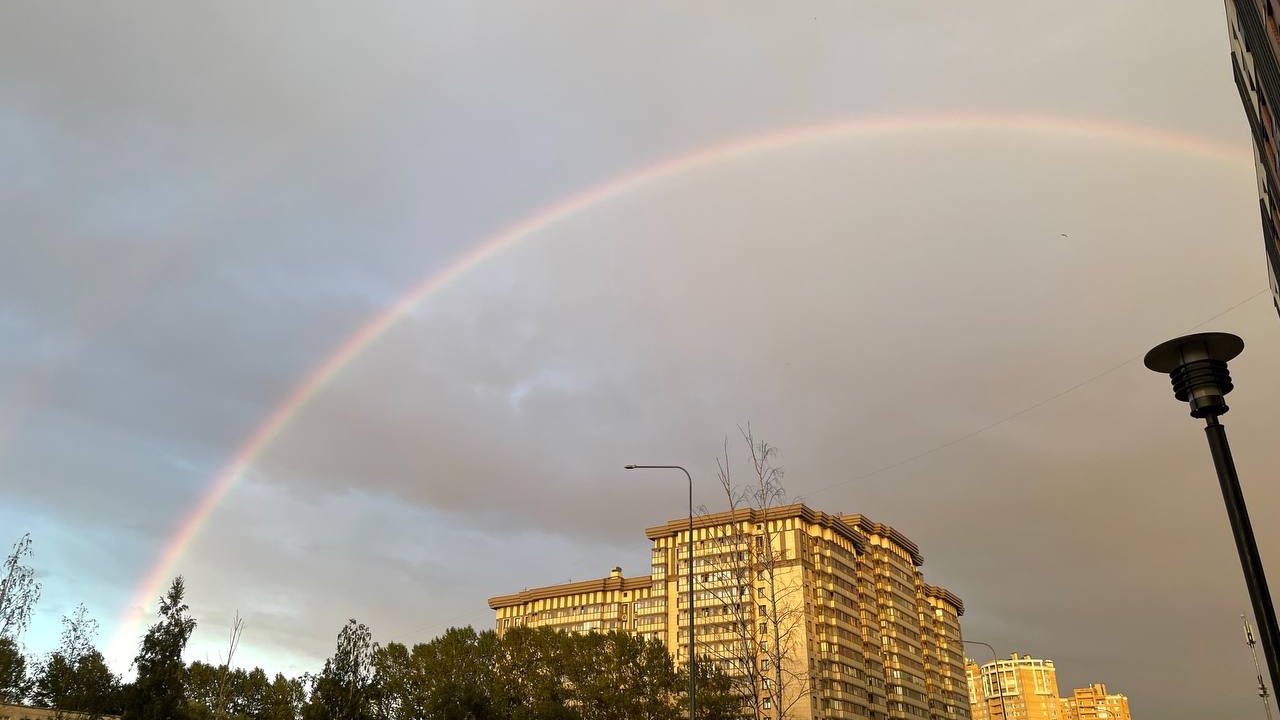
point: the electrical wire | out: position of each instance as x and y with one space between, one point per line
1018 414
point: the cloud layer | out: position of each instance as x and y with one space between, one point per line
208 202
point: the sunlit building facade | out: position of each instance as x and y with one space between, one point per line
1020 688
837 603
1026 688
1095 703
1255 46
23 712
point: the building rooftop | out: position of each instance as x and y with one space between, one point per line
853 527
615 581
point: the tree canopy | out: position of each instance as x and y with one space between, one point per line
464 674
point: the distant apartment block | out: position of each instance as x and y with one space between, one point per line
1026 688
861 634
23 712
1020 688
1095 703
1255 46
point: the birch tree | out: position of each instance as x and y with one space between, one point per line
19 590
758 614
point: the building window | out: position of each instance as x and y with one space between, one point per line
768 703
764 610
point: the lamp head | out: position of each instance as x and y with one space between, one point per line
1197 366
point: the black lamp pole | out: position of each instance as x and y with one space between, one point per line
692 682
1197 364
996 658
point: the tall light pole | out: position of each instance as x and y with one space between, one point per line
996 658
692 681
1197 365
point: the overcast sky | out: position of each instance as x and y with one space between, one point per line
198 205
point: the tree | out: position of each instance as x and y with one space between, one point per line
454 675
201 689
344 690
542 673
716 697
531 664
619 675
754 579
250 693
85 686
158 691
398 691
19 590
233 642
283 700
14 683
75 677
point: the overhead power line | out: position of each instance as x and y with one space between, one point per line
1020 413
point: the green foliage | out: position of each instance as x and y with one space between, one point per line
345 688
14 682
538 675
158 693
283 699
528 674
84 684
250 695
201 690
75 677
19 590
716 697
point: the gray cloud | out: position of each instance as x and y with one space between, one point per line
209 201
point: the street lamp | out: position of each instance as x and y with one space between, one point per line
1197 364
692 682
1003 713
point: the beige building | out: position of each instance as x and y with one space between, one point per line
1020 688
1255 63
813 615
22 712
1095 703
1026 688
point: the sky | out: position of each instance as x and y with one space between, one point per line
937 313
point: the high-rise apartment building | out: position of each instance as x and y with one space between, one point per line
1020 688
812 615
1026 688
1255 46
1095 703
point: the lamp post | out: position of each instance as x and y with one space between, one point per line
1197 365
692 681
996 658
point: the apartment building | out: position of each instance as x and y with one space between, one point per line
813 615
1026 688
1095 703
1255 45
1020 688
23 712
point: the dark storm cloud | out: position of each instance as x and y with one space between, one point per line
205 202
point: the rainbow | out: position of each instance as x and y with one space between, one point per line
1140 136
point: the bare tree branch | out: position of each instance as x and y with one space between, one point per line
754 632
224 679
